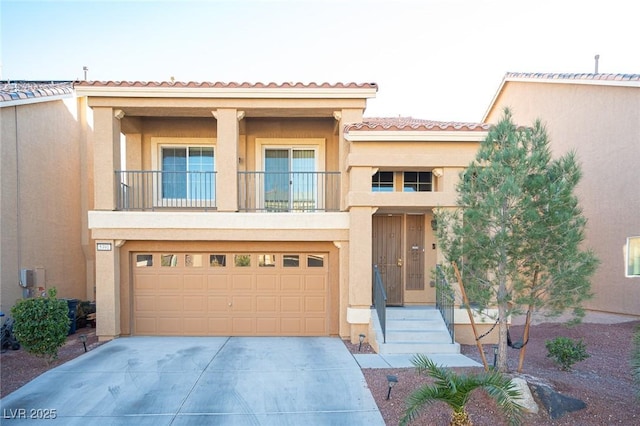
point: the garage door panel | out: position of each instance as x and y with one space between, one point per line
241 282
195 326
267 283
145 303
170 303
219 325
314 304
218 282
291 283
195 304
315 283
145 325
291 326
244 326
267 326
242 304
170 325
145 282
194 283
218 303
205 298
266 304
315 325
169 282
291 304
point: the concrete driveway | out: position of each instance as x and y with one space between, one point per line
200 380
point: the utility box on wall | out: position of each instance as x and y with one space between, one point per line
27 278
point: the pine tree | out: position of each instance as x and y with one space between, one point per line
519 230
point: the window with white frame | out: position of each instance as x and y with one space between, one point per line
293 174
632 261
186 172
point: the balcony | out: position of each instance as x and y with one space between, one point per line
289 191
151 190
154 190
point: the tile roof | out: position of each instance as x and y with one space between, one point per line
410 124
230 85
28 90
569 76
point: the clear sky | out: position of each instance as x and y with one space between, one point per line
432 59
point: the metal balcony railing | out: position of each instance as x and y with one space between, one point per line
380 301
153 190
445 300
289 191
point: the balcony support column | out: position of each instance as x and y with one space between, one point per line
227 147
107 289
344 117
106 156
360 284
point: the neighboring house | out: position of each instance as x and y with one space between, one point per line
44 193
259 209
598 117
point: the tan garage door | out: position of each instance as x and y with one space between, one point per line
231 294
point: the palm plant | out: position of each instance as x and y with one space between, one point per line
455 389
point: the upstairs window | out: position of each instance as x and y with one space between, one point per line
187 173
632 262
382 182
418 182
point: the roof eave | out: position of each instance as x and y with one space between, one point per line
228 93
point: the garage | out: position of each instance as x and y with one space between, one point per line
231 294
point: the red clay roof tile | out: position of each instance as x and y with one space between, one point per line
230 85
413 124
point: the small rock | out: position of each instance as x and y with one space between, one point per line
557 404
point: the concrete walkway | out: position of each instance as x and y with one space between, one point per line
200 380
404 361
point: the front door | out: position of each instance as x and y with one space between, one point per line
387 254
414 254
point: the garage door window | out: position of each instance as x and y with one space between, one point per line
169 260
266 260
242 260
144 260
291 261
315 261
218 260
193 260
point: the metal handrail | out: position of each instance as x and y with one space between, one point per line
288 191
445 300
380 301
156 189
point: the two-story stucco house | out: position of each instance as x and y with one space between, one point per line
598 117
259 209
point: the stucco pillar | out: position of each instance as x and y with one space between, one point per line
227 158
107 289
344 117
360 294
106 156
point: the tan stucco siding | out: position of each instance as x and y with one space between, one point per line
41 207
602 125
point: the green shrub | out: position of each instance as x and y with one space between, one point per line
566 352
635 360
41 325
